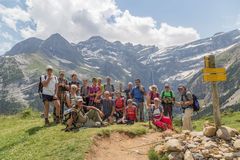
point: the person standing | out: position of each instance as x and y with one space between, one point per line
93 92
153 93
62 90
109 87
128 90
168 100
186 103
49 94
100 85
75 82
84 92
137 94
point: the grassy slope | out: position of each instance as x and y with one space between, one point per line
24 137
231 119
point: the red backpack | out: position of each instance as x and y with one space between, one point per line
131 113
119 103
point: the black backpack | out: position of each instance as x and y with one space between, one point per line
40 86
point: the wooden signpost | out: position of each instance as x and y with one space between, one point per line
213 75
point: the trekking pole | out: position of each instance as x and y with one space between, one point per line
149 118
62 104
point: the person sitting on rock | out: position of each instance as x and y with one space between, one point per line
119 107
71 97
107 107
158 119
130 114
84 116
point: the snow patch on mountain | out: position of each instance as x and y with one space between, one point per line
62 60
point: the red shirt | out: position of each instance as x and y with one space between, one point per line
119 103
131 113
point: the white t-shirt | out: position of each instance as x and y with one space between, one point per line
50 88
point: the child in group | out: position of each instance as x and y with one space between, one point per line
158 119
119 107
130 113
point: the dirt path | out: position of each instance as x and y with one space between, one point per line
121 147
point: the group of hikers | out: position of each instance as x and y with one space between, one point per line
98 104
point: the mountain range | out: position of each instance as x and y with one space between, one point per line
22 66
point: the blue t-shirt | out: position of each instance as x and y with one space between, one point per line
107 106
137 94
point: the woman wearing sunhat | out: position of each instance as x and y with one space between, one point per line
153 93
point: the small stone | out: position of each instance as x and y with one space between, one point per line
196 134
218 156
209 131
236 144
159 149
176 156
198 156
173 145
210 145
236 154
191 146
228 156
205 153
188 155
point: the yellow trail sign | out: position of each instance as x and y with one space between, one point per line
214 77
214 70
214 74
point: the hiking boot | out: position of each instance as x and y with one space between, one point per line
105 123
57 120
47 123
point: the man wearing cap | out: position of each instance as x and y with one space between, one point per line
84 116
168 100
75 82
186 103
49 94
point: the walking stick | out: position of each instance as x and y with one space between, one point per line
62 104
149 118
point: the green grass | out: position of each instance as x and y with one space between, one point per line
24 137
153 155
231 119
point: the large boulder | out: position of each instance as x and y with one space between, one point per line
236 144
209 131
224 133
188 155
173 145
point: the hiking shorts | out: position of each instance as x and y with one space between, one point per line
48 98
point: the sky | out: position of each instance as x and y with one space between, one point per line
150 22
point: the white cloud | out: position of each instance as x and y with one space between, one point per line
5 46
7 36
12 15
78 20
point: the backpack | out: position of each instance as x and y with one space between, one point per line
163 93
196 104
40 85
122 103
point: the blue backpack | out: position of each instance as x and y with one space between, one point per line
195 105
